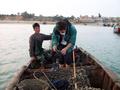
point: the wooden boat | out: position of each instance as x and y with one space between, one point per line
99 75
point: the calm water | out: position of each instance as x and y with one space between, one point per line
14 44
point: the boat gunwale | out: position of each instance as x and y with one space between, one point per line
109 72
16 77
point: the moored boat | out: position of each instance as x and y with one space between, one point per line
117 28
91 74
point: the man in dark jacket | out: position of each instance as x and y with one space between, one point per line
35 42
63 39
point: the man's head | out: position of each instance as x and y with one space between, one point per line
62 27
36 27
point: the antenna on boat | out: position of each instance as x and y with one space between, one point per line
50 42
74 69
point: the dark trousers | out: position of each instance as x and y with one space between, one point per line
63 59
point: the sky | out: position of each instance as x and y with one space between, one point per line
107 8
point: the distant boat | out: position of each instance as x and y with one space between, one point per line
99 75
107 25
44 22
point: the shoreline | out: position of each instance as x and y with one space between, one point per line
46 22
24 22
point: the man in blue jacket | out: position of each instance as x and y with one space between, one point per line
63 39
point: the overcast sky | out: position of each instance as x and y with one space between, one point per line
62 7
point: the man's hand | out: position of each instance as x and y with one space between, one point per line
63 51
54 48
33 58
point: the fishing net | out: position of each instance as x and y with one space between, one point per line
33 84
57 80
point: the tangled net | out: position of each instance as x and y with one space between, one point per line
43 80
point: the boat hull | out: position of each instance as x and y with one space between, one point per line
99 75
116 30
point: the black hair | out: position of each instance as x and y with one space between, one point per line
67 21
61 25
35 25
